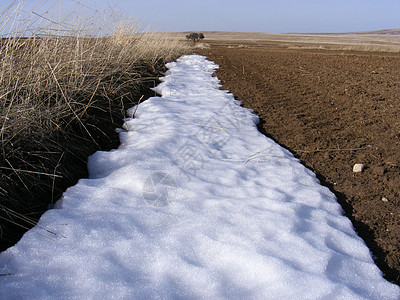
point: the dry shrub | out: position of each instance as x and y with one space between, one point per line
63 90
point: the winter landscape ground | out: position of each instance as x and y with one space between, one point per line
195 203
332 109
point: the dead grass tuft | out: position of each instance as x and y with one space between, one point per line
64 85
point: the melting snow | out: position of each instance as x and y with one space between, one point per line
195 203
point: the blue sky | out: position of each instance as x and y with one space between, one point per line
267 16
255 15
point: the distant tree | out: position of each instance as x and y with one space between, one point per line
195 37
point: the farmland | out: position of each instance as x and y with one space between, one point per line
333 101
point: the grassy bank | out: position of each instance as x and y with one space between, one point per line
64 88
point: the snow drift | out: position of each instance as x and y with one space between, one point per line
195 203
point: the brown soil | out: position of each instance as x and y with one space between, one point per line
332 109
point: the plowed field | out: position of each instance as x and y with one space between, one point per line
332 109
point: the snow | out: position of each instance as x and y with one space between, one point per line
194 204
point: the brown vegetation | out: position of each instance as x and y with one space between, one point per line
356 42
62 94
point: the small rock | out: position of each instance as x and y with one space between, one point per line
384 199
357 168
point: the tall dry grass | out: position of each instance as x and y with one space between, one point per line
64 83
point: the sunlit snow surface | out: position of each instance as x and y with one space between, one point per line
194 204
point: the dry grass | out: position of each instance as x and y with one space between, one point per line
371 42
346 47
60 83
